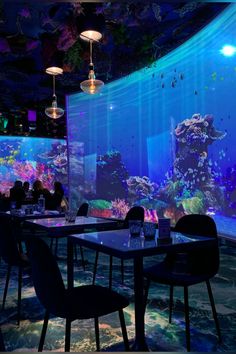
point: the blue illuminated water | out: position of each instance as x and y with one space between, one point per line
130 128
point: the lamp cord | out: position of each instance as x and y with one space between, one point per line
54 85
91 52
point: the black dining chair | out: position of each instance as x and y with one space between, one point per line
83 209
82 302
10 253
134 213
198 265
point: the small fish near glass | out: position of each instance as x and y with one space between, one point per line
135 227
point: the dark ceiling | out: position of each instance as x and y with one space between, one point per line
34 33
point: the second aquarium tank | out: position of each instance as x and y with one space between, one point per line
29 158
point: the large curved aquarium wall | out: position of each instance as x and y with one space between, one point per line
163 137
28 159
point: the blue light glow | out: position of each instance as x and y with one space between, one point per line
228 50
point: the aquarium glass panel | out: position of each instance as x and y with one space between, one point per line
164 137
28 159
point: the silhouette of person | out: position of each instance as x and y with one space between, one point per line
17 193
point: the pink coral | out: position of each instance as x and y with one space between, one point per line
30 173
120 208
150 215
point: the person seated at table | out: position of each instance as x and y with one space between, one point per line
38 189
17 193
57 196
28 192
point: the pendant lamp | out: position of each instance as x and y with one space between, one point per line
92 85
90 26
54 111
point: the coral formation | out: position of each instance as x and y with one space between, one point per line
190 185
193 136
111 176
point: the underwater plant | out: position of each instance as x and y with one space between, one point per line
100 208
194 205
100 204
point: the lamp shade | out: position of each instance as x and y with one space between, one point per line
90 26
54 112
92 85
54 70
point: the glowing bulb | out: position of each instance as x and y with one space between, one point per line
54 112
91 85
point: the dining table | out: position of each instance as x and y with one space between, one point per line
119 243
19 215
60 227
55 228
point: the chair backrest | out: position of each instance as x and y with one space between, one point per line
134 213
203 259
9 250
196 224
47 279
83 210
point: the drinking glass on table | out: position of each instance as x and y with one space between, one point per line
149 230
135 227
70 215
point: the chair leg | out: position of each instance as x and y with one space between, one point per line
145 296
56 248
19 295
171 302
110 272
82 257
51 243
67 339
2 346
214 310
44 330
96 325
124 331
95 267
75 252
122 271
6 286
187 326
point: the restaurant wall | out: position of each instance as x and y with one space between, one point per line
162 137
29 158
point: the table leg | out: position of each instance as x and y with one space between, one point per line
70 264
140 342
